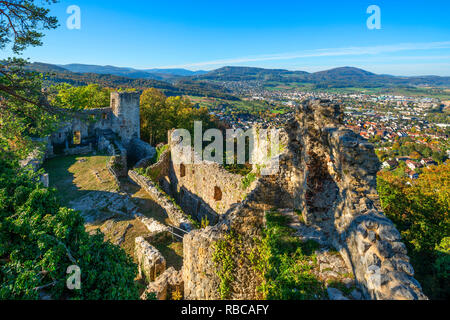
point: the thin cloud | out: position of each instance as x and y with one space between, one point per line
329 52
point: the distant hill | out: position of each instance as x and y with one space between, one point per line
334 78
177 72
344 77
57 74
128 72
252 74
45 67
155 74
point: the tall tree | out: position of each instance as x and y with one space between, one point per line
24 109
39 240
22 22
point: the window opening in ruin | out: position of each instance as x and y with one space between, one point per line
182 170
77 137
113 103
104 116
217 194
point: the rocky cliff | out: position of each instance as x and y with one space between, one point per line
328 174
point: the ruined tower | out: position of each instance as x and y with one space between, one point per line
125 108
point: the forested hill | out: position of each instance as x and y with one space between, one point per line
338 77
155 74
55 74
181 81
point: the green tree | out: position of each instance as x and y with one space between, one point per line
154 121
24 110
84 97
39 240
159 114
22 21
420 210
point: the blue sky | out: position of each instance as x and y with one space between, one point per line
296 35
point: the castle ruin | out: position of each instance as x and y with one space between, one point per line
327 174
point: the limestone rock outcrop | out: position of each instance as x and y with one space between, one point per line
328 174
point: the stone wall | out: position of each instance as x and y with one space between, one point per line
327 173
338 183
201 281
208 181
119 121
176 216
200 272
139 150
158 170
205 189
78 150
150 261
165 285
34 160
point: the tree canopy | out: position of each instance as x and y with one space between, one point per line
39 240
420 209
159 114
24 109
22 22
79 98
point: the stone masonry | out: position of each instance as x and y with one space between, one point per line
327 173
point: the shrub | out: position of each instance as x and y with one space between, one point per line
39 240
420 210
285 263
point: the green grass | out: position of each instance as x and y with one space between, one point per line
171 250
286 263
73 178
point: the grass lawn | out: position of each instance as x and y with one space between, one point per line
74 176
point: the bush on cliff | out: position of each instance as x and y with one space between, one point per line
39 240
285 263
420 210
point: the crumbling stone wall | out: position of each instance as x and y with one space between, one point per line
339 194
206 188
328 173
119 121
200 271
176 216
158 170
165 285
150 261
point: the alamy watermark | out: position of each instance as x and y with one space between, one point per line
259 147
74 280
74 20
374 21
